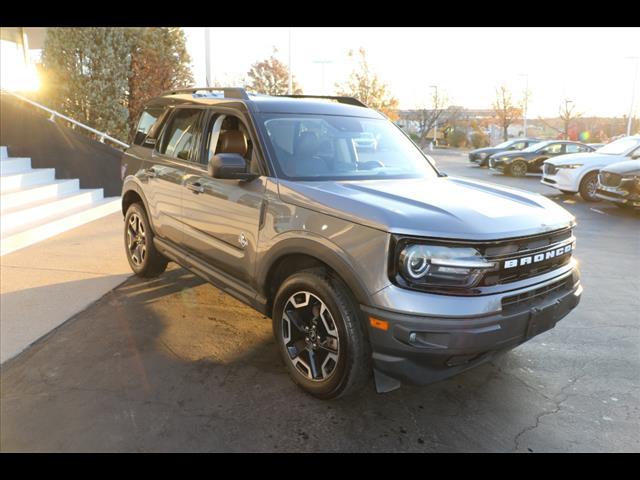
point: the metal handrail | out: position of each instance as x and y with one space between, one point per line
103 136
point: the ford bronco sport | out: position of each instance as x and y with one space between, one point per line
366 260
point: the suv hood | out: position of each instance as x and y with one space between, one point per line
628 167
444 207
586 158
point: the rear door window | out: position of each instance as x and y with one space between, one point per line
573 148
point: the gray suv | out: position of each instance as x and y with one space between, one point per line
366 259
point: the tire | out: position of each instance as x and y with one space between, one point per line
588 186
518 169
340 362
142 255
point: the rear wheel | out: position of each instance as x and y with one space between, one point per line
144 259
588 187
320 336
518 169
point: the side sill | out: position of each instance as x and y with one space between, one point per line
217 278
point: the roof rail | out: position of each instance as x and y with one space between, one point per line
339 99
236 92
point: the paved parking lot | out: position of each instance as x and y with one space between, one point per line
174 364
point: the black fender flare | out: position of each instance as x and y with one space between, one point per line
317 247
132 184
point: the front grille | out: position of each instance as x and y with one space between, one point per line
510 249
524 300
550 169
610 179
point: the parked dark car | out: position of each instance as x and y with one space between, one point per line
481 155
530 159
620 183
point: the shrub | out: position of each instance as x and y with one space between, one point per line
479 140
457 139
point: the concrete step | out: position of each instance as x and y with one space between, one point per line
30 234
39 212
48 191
11 166
12 183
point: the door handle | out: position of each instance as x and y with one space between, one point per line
195 187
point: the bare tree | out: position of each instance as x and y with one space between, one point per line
366 86
505 110
427 118
567 115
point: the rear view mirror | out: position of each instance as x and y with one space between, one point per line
229 166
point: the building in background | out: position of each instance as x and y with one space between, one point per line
20 49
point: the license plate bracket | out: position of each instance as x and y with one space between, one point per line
543 319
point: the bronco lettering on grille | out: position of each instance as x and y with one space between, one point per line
539 257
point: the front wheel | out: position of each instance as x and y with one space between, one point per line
588 187
518 169
320 336
144 259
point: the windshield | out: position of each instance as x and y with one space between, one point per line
535 146
506 144
621 146
330 147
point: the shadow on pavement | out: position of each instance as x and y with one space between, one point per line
174 364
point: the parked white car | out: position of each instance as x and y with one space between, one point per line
578 172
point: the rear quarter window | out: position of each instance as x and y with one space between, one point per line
147 120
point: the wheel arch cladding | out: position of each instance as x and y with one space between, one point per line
296 254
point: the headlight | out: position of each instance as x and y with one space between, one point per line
634 179
573 165
440 266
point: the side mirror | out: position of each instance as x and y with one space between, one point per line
231 166
149 142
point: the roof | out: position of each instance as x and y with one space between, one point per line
300 104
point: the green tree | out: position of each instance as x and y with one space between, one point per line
159 62
87 71
366 86
271 77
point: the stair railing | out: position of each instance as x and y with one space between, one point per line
53 115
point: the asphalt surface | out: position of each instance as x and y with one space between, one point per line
174 364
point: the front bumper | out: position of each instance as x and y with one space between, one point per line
423 349
474 158
618 195
562 179
497 165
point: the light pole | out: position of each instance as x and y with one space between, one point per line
526 101
322 64
207 56
567 118
633 94
435 124
290 87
